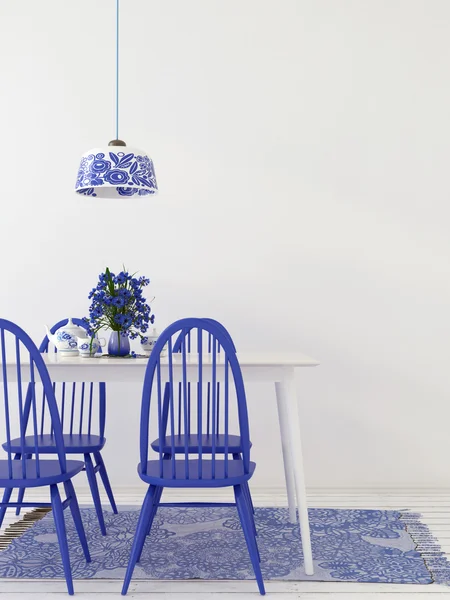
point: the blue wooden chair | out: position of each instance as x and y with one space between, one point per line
21 471
78 417
234 441
234 446
212 469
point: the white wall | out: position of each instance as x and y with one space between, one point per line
302 151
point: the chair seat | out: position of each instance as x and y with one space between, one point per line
50 472
74 444
236 474
234 444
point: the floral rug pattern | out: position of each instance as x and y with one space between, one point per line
208 543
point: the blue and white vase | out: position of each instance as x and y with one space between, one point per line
119 344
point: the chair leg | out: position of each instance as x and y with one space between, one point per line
76 515
248 503
139 537
6 496
248 500
58 515
244 517
105 479
245 488
156 500
20 496
92 479
21 493
248 496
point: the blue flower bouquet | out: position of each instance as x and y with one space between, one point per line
118 304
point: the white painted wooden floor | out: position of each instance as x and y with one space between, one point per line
433 504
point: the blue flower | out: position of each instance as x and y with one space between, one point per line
119 319
98 166
126 294
123 292
97 312
127 321
116 176
121 277
128 191
118 301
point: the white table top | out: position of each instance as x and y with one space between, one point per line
246 359
255 366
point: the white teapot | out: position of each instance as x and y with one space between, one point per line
66 337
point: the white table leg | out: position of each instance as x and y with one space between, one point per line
289 394
286 446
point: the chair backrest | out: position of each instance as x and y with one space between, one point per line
77 403
177 347
187 334
220 365
17 346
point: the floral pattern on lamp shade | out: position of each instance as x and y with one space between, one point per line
129 172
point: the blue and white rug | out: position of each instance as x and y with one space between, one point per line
208 543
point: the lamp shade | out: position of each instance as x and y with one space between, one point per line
116 172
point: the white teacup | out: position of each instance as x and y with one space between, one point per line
87 347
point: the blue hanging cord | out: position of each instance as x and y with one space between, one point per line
117 69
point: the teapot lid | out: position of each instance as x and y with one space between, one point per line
74 328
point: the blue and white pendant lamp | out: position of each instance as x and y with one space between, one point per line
118 170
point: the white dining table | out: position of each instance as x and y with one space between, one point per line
272 367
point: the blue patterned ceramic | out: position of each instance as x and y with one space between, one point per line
116 347
86 348
148 341
108 173
66 337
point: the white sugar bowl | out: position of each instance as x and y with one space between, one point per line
87 347
148 342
